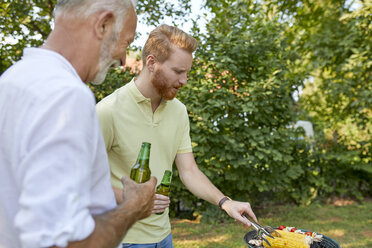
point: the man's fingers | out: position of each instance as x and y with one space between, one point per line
237 210
161 201
159 208
161 204
244 220
141 196
125 179
161 197
249 212
152 182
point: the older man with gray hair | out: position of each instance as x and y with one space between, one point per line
55 186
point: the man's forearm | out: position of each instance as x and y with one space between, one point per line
201 186
110 227
195 180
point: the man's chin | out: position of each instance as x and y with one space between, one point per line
169 97
98 80
101 76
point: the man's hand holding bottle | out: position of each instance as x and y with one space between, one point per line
141 197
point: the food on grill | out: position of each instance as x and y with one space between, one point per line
281 227
288 237
289 240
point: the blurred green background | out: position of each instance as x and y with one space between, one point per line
261 66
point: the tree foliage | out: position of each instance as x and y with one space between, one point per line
27 23
253 56
335 44
334 41
240 100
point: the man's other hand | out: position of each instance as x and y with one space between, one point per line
160 204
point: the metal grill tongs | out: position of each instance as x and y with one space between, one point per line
261 231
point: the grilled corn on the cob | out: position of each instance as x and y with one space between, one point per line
287 240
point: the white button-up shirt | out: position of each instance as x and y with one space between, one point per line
54 172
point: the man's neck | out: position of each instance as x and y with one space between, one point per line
143 83
67 39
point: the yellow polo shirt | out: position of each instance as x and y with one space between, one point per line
126 121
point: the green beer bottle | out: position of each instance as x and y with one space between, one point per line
164 186
140 172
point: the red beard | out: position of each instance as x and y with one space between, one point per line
162 86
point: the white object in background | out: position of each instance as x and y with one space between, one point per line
307 126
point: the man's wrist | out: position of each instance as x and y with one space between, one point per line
223 200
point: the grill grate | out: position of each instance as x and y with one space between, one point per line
326 242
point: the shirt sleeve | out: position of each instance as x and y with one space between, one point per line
54 172
185 145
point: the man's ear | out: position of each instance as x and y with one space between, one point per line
150 62
104 24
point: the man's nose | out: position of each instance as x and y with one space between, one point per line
183 79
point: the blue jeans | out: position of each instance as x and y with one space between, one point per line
165 243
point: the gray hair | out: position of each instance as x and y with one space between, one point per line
85 8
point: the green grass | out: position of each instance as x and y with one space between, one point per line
347 222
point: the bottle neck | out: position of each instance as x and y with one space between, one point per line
166 178
144 155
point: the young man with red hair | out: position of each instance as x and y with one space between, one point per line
146 110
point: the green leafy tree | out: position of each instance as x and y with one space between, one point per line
239 96
333 39
252 57
25 23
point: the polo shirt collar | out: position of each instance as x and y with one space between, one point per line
138 95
